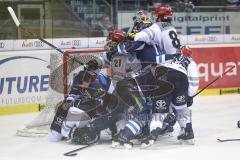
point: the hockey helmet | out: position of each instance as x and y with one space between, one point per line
164 13
117 35
85 136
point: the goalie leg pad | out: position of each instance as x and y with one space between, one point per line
60 115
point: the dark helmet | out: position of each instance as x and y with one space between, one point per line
86 135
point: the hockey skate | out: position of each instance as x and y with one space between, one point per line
186 135
166 131
121 141
149 140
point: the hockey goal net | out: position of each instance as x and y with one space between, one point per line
63 67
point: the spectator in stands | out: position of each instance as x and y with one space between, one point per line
104 26
233 2
189 7
178 6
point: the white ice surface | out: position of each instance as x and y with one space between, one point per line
213 117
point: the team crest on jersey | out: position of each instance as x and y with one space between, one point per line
160 104
181 99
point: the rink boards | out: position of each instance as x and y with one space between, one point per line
24 75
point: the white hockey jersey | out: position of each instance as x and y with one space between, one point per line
162 34
187 66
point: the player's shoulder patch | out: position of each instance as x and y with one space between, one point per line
164 25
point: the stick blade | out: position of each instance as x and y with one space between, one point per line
13 15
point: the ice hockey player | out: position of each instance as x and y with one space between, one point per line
163 34
183 74
86 101
81 81
162 120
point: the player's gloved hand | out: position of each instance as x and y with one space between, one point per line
170 119
186 51
189 101
110 46
121 48
131 35
99 93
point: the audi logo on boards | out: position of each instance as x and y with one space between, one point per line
212 38
38 44
76 42
2 44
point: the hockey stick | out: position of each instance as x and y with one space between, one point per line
73 152
224 73
227 140
18 24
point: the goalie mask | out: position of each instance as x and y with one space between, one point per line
89 76
140 25
141 22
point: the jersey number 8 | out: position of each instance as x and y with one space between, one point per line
175 41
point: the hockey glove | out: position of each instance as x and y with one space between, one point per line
189 101
121 49
170 119
185 50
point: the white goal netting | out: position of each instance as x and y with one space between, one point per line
63 67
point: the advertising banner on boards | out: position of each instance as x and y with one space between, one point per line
24 77
213 61
194 23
